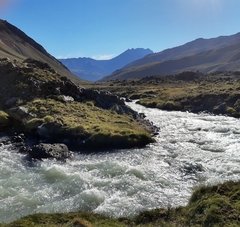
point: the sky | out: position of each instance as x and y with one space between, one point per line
102 29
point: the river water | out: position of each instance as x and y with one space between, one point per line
191 150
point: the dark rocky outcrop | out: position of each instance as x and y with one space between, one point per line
43 151
213 103
60 87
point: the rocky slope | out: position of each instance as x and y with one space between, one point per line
40 100
204 55
16 45
92 70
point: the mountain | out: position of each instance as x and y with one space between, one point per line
92 70
205 55
16 45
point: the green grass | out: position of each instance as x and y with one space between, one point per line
4 120
171 93
98 127
67 220
209 206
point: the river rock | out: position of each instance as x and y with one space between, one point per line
43 151
192 168
18 138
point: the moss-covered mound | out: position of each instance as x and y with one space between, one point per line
217 205
82 124
209 206
50 107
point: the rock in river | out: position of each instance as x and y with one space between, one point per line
43 151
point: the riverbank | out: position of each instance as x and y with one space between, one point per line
217 93
190 150
209 206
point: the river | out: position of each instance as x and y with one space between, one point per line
190 150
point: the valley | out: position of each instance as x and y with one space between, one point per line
154 142
92 70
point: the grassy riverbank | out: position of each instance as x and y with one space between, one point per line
209 206
92 126
217 93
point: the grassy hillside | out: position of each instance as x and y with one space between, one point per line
209 206
189 49
204 55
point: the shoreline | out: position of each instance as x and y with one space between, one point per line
207 207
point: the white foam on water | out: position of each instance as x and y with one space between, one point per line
191 149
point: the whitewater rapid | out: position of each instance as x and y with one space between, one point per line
190 150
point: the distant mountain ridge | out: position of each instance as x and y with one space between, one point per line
205 55
92 70
16 45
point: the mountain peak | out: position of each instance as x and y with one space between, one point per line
91 69
147 50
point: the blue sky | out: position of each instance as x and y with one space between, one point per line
105 28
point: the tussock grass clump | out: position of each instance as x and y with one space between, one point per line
4 119
216 206
209 206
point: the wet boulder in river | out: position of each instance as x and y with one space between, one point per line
43 151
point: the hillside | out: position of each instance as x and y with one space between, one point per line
39 100
92 70
205 55
16 45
